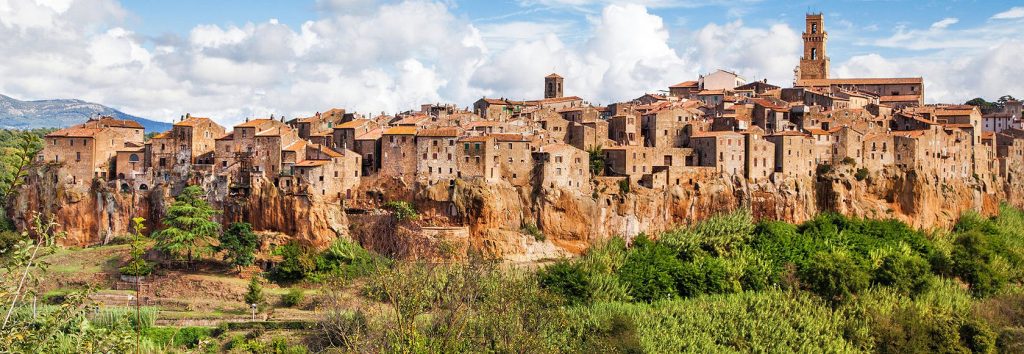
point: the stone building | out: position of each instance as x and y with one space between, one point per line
723 150
328 174
478 158
814 64
759 154
398 153
437 151
553 86
565 167
88 151
794 153
514 158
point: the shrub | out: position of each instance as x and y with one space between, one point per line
861 174
254 294
624 187
908 274
567 279
835 276
239 244
532 230
972 257
293 298
849 161
650 270
296 263
402 210
137 267
823 169
345 258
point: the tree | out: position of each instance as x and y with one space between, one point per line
137 266
18 149
597 160
254 295
190 228
239 244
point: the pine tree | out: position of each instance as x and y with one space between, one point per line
190 229
255 293
239 244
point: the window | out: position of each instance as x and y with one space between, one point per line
814 53
78 156
133 158
814 28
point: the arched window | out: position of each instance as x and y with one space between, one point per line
814 28
814 53
133 158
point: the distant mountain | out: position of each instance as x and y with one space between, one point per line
17 114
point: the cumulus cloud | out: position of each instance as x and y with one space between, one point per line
946 22
1013 13
392 56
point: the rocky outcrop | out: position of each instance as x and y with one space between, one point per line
517 224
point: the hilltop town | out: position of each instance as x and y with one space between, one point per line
484 177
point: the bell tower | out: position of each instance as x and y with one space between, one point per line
814 64
552 86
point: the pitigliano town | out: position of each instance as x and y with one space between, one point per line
814 209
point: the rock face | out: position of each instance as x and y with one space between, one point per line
515 224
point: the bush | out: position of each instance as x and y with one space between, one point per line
908 274
823 169
624 187
834 276
296 263
254 294
849 161
137 267
861 174
345 258
293 298
650 270
402 210
532 230
972 256
567 279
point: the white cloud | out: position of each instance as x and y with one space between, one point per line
1013 13
946 22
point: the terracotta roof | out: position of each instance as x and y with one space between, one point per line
228 136
961 126
311 163
908 133
439 132
816 131
325 150
192 121
556 100
481 123
475 138
253 123
685 84
402 130
953 112
713 134
495 101
788 133
509 137
899 98
371 135
74 132
711 92
411 120
109 122
296 146
163 135
987 135
352 124
553 76
860 81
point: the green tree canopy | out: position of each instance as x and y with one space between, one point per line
239 244
190 229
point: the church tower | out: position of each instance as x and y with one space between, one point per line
814 64
552 86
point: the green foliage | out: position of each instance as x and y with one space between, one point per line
836 276
293 298
650 270
861 174
190 230
823 169
532 230
624 187
972 262
124 318
909 274
597 160
17 148
567 279
137 266
402 210
849 161
254 293
180 337
239 244
277 345
296 263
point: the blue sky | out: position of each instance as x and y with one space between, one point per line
233 59
860 18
